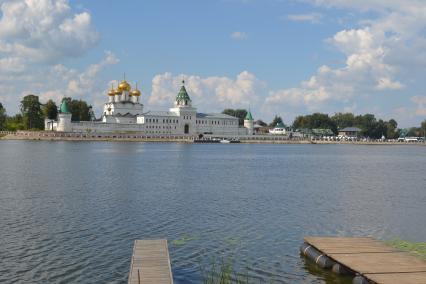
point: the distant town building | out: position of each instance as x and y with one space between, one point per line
322 132
279 129
349 132
124 112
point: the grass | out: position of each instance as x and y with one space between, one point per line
224 273
417 249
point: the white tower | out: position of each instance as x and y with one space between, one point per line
64 118
187 114
249 123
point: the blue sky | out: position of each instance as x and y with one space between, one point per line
276 57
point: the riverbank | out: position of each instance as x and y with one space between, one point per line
132 137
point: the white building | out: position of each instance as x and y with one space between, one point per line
124 112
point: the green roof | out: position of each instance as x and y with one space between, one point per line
182 95
64 107
249 116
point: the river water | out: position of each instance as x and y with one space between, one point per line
69 211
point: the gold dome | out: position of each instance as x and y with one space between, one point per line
136 93
117 91
111 92
124 86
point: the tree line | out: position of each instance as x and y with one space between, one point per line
33 112
370 125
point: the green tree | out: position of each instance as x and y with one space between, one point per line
31 112
342 120
423 128
392 131
367 124
2 117
315 120
50 110
413 131
277 119
80 110
15 122
239 113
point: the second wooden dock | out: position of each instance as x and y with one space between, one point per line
372 259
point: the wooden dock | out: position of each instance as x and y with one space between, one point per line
150 263
372 259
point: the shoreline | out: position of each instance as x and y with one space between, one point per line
47 136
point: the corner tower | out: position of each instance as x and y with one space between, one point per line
249 123
64 117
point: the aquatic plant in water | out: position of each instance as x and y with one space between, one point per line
224 273
183 240
418 249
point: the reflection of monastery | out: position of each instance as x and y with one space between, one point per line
124 112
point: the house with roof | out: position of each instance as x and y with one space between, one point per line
279 129
350 132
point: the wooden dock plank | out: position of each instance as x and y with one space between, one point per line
151 259
399 262
373 259
398 278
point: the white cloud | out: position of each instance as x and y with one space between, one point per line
44 30
420 102
36 36
313 18
388 84
381 54
239 35
208 94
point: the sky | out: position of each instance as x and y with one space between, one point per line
274 57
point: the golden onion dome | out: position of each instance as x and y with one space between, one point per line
136 93
124 86
111 92
117 91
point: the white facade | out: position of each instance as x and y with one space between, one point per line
124 113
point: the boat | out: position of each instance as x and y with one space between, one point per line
206 140
229 141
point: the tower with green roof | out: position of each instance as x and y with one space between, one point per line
64 107
184 110
64 117
249 123
182 98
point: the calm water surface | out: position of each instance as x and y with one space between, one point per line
69 211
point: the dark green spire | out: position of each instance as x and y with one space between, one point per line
249 116
183 96
64 107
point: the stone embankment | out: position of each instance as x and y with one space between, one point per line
137 137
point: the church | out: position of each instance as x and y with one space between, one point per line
124 112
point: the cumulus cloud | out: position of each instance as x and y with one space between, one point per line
420 102
68 82
209 93
36 36
44 30
239 35
313 18
380 54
